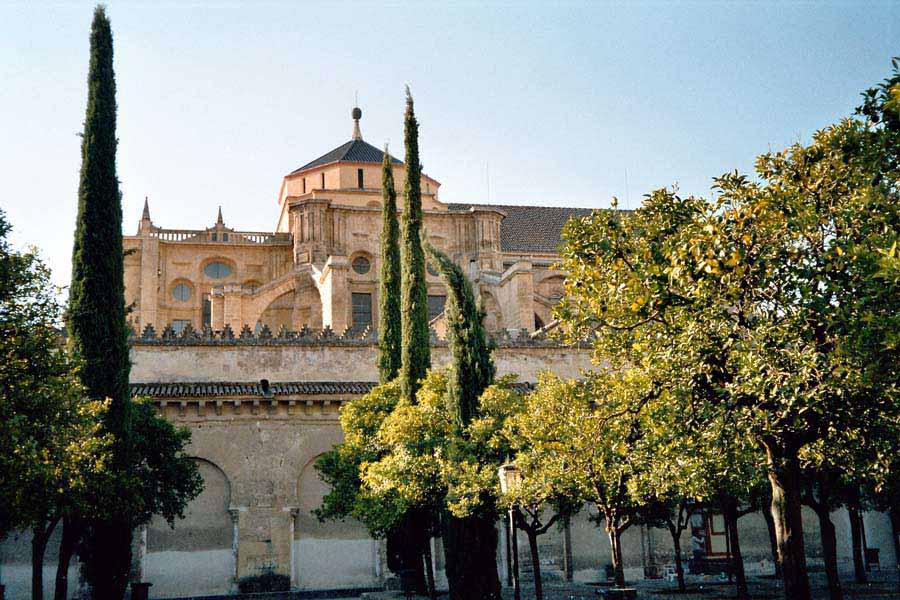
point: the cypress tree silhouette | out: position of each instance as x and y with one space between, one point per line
96 312
470 543
415 349
389 320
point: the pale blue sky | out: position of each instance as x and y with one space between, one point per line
217 101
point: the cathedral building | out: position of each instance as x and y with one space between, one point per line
320 266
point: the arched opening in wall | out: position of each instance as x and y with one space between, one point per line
538 322
333 554
493 319
551 288
279 312
195 557
307 306
251 285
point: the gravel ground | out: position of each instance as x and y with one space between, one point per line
882 586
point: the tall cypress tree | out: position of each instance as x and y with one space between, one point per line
470 543
96 313
389 320
415 349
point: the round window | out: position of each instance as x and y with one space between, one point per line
217 270
182 292
431 269
361 265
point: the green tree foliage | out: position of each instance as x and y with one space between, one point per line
163 479
471 368
441 456
51 448
96 314
415 349
168 478
361 420
429 462
410 542
582 437
766 308
471 541
389 320
538 502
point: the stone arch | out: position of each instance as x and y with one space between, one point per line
550 286
330 555
256 304
493 320
195 556
279 312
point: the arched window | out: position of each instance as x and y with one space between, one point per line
182 292
362 265
217 270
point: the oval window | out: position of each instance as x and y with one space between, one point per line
217 270
431 270
182 292
361 265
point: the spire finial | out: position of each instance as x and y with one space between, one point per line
219 220
146 213
356 113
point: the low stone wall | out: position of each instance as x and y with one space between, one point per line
181 362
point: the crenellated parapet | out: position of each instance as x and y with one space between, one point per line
262 335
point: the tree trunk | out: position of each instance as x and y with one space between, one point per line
829 552
616 555
773 541
70 535
859 565
730 514
535 563
429 569
404 549
470 547
679 567
40 536
784 477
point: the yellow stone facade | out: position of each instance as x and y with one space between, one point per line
325 249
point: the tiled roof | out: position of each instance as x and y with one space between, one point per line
293 388
289 388
352 151
530 228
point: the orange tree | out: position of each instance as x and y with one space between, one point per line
767 306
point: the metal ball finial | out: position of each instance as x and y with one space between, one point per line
357 114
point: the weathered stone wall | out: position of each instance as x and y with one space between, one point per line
175 363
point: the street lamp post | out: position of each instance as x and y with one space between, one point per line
510 477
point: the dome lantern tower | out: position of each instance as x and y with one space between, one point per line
356 113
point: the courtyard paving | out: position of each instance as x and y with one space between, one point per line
882 586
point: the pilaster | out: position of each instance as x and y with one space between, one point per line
233 305
335 293
150 275
217 309
517 296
